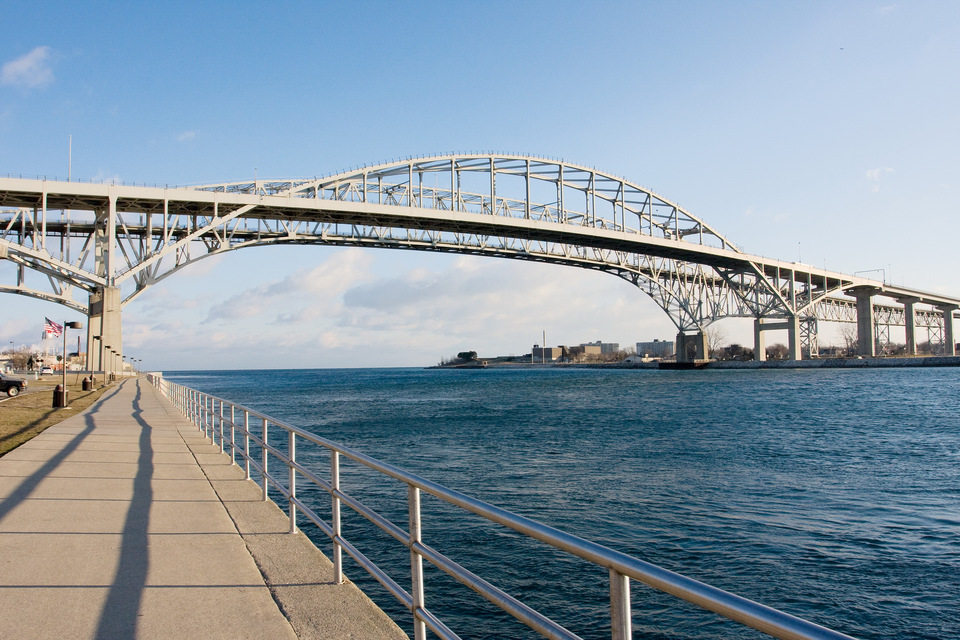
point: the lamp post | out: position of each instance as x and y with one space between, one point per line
60 396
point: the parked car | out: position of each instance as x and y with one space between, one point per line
11 385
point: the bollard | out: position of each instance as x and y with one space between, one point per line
87 384
59 397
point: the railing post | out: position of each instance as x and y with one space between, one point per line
220 414
207 408
620 619
335 517
292 451
265 453
416 563
246 443
233 434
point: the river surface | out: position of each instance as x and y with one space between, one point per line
833 495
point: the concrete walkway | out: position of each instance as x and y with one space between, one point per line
124 522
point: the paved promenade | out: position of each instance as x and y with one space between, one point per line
124 522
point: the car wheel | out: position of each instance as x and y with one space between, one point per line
12 391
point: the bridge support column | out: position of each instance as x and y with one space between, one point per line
759 341
692 348
910 324
104 329
793 338
866 342
949 339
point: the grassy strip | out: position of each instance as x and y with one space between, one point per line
28 414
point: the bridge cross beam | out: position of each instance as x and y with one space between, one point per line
791 324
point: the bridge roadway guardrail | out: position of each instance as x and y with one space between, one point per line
234 427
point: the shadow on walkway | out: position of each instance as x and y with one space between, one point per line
121 610
30 483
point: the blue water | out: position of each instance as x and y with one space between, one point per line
832 495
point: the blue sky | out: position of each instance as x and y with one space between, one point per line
822 131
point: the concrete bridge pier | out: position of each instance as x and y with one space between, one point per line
104 330
866 329
759 341
910 324
691 348
949 339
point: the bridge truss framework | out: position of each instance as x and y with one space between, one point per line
111 242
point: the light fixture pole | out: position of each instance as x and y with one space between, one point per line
60 400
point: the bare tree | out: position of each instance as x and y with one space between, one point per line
20 358
849 334
716 339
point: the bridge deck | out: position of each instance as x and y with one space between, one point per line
124 522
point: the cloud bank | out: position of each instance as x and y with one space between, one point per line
343 312
28 71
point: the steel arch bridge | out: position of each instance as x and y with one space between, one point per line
113 241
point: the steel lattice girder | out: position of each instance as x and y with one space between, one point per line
505 206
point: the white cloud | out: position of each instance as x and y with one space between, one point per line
325 282
105 176
186 136
28 71
874 175
342 312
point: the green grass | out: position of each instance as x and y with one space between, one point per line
26 415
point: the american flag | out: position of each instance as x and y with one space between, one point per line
52 329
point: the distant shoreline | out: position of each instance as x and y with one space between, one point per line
819 363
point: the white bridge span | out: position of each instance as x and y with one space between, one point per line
95 247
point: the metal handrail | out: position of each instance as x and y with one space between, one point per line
222 428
